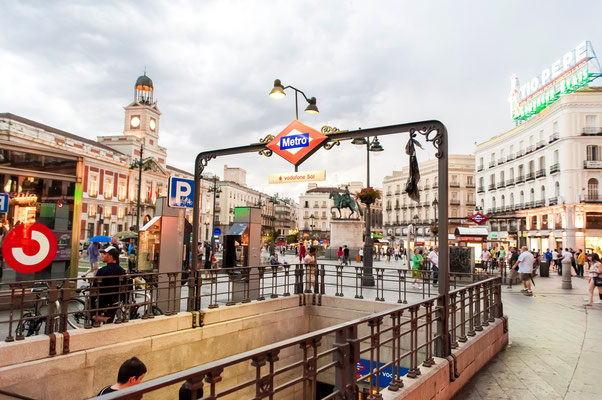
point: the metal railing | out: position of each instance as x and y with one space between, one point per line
397 340
554 168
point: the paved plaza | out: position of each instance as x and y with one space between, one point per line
555 348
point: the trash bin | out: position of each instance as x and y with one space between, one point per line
544 269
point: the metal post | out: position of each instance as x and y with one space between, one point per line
367 276
138 205
443 348
213 216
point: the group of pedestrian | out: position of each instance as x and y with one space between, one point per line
133 371
577 258
421 261
493 258
343 255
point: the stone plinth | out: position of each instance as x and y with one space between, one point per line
346 232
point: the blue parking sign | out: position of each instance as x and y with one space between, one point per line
3 202
181 192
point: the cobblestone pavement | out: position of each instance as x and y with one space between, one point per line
555 348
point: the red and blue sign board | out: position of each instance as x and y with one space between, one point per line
29 248
479 218
296 142
385 375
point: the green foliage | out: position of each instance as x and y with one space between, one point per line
294 238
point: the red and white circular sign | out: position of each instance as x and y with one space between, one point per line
29 248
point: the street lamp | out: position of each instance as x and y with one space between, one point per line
371 146
311 228
141 164
216 191
278 93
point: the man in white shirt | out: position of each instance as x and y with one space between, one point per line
555 258
485 257
433 257
525 268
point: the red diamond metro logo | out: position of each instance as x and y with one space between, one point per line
296 142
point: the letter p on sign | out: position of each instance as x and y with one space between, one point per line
181 193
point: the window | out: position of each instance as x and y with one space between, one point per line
454 179
557 189
120 213
556 157
592 189
108 189
92 211
501 176
316 204
492 179
534 224
107 212
521 145
531 140
542 163
503 201
522 197
324 204
306 204
543 193
511 173
532 195
493 202
469 180
306 214
511 199
454 212
555 127
121 191
591 121
323 214
531 166
93 186
593 153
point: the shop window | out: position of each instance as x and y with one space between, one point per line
93 186
593 220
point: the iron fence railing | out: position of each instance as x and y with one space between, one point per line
397 340
58 305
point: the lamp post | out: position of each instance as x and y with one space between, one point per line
141 164
311 229
374 146
435 204
277 92
216 190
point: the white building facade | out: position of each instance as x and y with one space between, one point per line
540 182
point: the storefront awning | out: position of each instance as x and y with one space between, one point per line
238 228
470 231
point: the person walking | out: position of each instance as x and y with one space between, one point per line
302 253
525 269
396 252
581 258
361 254
566 257
416 264
556 260
346 260
485 257
340 255
595 277
93 258
433 258
130 373
388 256
513 267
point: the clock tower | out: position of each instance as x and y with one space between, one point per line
142 115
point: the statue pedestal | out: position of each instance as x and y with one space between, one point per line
346 232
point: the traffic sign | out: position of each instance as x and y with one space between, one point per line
29 248
4 202
180 193
479 218
296 142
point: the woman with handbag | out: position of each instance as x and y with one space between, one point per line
595 276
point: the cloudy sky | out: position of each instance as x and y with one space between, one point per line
72 65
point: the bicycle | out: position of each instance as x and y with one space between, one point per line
37 316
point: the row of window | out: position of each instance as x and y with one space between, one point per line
454 181
147 192
107 212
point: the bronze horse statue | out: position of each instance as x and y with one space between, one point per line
344 200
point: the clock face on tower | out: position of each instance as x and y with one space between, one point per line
152 124
135 121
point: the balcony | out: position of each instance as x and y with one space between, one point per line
481 189
518 206
470 203
554 137
435 185
540 173
480 168
404 207
520 179
528 204
389 208
530 176
492 186
455 202
500 185
592 198
540 144
491 164
389 194
454 184
510 157
592 164
397 192
592 131
540 203
520 153
397 207
470 185
510 182
530 149
554 168
552 201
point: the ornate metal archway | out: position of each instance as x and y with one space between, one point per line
432 131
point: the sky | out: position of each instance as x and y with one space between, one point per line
72 65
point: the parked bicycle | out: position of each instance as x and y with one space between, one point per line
36 317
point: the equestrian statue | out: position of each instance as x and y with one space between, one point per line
344 200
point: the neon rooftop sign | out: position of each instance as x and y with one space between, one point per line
576 69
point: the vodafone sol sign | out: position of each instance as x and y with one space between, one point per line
296 142
29 248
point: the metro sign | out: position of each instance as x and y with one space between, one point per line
479 218
296 142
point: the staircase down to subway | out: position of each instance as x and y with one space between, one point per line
303 343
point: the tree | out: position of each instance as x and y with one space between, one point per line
294 238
